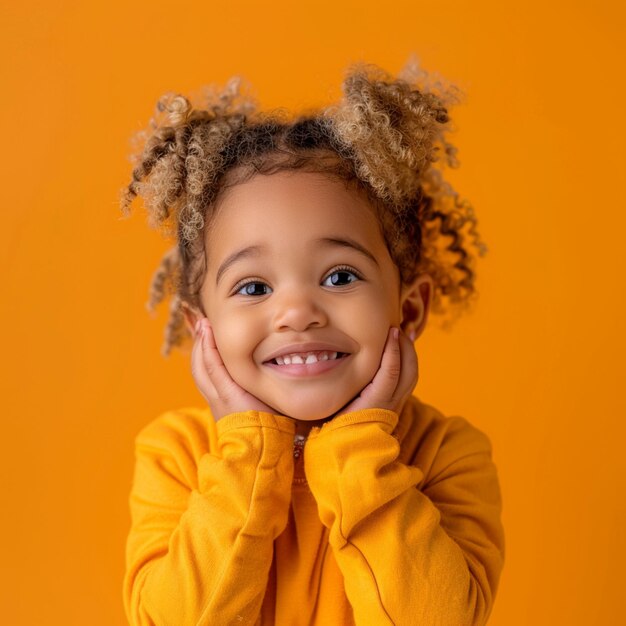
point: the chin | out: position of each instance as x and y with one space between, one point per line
307 411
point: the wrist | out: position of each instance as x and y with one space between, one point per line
387 417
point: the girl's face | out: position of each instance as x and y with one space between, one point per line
295 258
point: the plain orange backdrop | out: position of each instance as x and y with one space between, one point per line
538 366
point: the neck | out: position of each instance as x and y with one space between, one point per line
303 427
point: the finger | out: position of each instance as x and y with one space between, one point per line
385 382
198 370
222 382
409 368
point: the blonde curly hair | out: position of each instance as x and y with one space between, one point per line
383 138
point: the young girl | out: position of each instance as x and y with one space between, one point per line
313 488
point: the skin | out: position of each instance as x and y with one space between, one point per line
302 290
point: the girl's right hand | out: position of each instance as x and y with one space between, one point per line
214 382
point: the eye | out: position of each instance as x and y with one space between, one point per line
250 288
341 276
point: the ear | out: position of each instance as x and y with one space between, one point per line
415 302
192 315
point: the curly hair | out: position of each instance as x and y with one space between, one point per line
383 138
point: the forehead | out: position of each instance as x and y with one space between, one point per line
306 205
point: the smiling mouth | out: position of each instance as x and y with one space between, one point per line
302 368
307 358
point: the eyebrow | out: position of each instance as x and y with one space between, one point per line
346 242
250 251
258 250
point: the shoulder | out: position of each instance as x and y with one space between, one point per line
183 432
433 441
168 449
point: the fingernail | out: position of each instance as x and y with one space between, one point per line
198 326
412 335
396 332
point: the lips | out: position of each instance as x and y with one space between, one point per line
299 348
335 358
306 358
307 370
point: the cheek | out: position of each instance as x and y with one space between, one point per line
372 355
373 331
236 340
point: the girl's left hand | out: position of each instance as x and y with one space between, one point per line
395 379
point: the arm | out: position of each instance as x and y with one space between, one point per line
409 555
201 542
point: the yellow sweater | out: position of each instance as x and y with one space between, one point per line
385 519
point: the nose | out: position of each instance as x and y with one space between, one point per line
298 309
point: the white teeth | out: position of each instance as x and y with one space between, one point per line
305 358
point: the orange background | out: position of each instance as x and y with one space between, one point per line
537 366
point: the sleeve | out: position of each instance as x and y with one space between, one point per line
408 555
201 540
